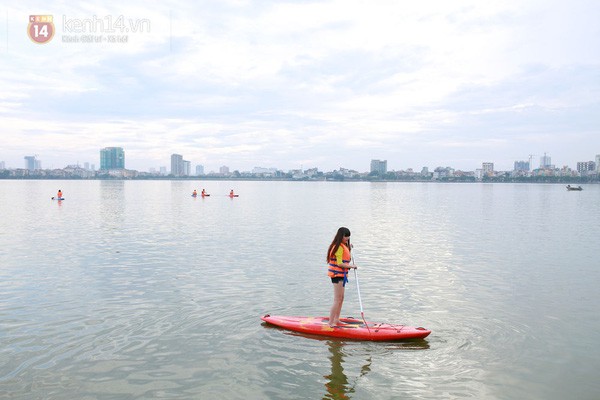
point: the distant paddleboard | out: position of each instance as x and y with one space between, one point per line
350 328
58 198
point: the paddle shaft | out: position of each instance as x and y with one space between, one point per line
362 313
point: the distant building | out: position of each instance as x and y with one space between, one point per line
32 163
598 163
586 167
177 168
29 163
442 172
224 170
199 169
76 170
545 161
162 170
187 168
487 168
112 158
379 166
267 171
521 166
2 165
311 172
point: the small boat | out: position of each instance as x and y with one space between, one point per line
578 188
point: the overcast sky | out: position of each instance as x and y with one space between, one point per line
324 84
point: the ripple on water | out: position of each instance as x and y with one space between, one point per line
162 297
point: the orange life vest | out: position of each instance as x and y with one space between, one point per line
336 271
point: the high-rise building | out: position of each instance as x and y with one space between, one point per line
199 169
177 165
487 167
379 166
32 163
521 166
583 167
224 170
187 168
2 165
598 163
545 161
112 158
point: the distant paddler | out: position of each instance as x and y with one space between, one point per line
59 195
194 193
232 194
204 194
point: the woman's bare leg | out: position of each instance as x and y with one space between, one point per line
338 300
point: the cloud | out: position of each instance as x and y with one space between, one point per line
287 83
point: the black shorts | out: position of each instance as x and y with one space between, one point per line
337 280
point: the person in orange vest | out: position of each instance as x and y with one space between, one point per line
195 193
59 194
338 260
204 193
231 194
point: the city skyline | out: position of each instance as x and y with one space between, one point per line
114 158
327 84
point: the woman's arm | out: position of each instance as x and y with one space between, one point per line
339 259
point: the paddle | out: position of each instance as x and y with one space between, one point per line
362 313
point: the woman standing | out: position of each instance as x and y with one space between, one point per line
338 258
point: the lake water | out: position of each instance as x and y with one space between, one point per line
136 290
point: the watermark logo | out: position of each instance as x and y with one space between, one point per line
107 29
99 30
40 28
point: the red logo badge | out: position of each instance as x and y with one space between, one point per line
40 28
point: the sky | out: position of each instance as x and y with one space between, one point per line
303 84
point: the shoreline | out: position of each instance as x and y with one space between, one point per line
543 180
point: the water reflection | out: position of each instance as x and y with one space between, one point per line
337 385
337 382
111 205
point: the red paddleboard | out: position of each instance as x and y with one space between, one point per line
350 328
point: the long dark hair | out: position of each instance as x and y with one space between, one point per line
337 241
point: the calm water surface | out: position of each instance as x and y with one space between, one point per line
135 290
